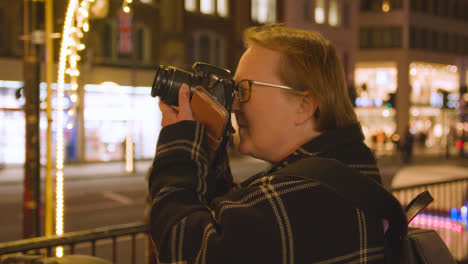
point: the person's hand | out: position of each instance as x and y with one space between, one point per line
172 115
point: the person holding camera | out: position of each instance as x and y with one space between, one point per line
291 104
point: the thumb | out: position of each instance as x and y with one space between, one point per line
185 110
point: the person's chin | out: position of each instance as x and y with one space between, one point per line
243 147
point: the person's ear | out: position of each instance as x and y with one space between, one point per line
306 109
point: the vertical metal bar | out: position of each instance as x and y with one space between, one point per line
31 204
72 248
49 252
49 47
133 248
114 249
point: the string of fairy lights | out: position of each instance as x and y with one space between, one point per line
76 24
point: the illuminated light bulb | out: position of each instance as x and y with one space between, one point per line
71 112
73 98
84 4
69 126
129 1
126 9
59 252
81 47
85 28
385 6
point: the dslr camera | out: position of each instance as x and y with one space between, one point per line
211 92
217 81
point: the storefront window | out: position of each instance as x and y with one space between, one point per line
12 124
428 79
434 129
113 113
374 83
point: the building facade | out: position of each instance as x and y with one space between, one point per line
117 69
411 53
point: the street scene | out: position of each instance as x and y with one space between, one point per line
82 83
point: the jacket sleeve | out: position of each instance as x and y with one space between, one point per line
182 225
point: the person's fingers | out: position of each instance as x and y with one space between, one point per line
165 108
169 115
185 110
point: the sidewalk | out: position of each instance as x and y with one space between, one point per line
421 170
241 167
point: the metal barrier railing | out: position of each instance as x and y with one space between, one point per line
45 245
447 194
439 215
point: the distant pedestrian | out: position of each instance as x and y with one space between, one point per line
408 146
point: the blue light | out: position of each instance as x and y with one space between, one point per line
454 214
464 215
378 102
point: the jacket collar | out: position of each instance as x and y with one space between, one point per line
334 138
319 146
328 141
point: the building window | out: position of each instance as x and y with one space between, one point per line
333 13
412 38
414 5
465 46
206 47
445 45
223 8
381 5
264 11
380 38
364 38
346 15
190 5
435 7
142 43
395 37
320 11
306 9
435 40
207 6
107 40
424 6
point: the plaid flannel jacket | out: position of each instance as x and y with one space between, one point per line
266 219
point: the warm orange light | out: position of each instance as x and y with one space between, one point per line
385 6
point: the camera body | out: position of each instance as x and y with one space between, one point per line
211 97
217 81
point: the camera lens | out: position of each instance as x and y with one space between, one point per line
168 81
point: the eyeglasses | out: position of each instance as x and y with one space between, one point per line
244 88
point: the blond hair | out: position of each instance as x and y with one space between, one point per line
309 63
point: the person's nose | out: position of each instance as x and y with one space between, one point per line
236 105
